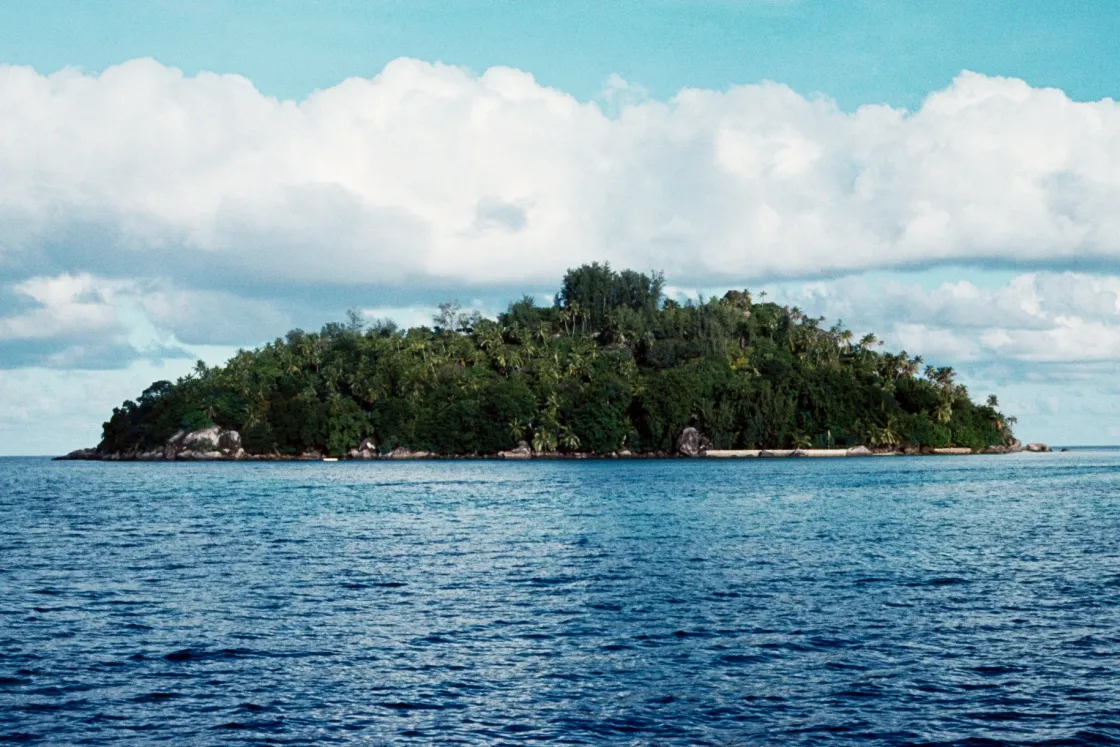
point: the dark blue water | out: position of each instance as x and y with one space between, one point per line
887 601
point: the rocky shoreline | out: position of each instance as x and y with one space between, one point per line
218 444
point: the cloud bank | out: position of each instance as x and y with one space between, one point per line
1032 318
429 175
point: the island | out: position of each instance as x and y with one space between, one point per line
611 368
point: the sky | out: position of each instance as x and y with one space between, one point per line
180 179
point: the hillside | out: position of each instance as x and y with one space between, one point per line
611 365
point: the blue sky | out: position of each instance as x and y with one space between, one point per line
204 175
855 51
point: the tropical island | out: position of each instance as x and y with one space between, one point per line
611 368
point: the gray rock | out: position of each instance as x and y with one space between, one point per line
404 453
205 443
200 456
174 445
229 441
1037 447
692 443
860 451
80 455
204 439
521 451
367 449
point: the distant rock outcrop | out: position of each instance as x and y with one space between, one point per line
80 455
367 449
521 451
860 451
692 443
997 450
1038 447
229 441
205 443
402 453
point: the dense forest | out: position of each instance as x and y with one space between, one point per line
612 364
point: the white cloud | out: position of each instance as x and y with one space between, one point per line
429 174
65 305
1034 317
74 320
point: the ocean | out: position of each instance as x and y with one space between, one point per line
906 600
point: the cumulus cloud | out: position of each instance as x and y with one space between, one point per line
1032 318
85 321
429 175
65 306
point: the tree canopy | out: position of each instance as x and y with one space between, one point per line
610 365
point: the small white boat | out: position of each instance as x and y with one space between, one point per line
330 459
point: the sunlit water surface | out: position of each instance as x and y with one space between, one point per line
887 601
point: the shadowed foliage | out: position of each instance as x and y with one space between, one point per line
610 365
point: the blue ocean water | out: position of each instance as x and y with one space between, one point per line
946 600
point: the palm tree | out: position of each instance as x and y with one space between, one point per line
570 315
289 360
568 439
543 440
907 366
943 376
309 350
490 337
517 428
886 435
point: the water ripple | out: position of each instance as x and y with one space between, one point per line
949 601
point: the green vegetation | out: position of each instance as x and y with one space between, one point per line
610 365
